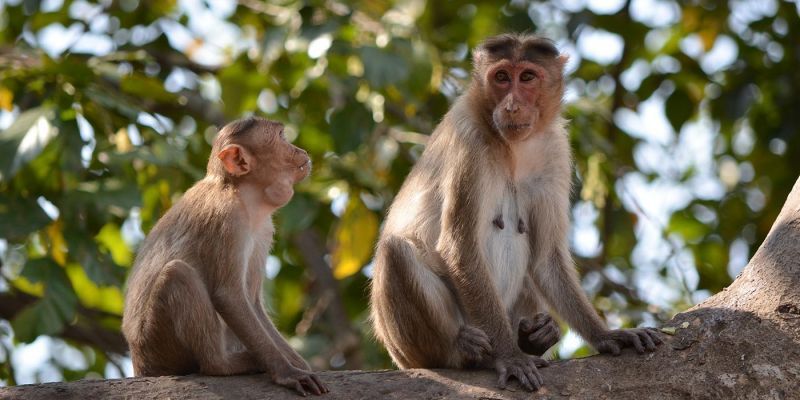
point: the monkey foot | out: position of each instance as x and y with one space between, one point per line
537 334
473 344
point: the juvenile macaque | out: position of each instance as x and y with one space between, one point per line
194 301
475 248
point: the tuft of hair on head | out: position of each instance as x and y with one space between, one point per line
515 47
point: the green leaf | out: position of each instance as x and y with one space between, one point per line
114 101
146 87
25 139
19 217
382 68
48 315
350 126
299 214
679 108
712 258
688 227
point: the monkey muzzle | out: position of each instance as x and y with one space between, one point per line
303 170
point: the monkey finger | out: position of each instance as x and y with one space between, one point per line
655 335
320 384
542 318
311 385
544 337
522 377
534 377
609 346
525 325
552 333
633 339
648 342
484 344
540 362
299 388
502 378
540 321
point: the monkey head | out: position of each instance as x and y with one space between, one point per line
519 80
254 152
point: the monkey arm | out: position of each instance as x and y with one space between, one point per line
239 314
558 280
288 352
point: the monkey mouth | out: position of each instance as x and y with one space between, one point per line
304 170
517 127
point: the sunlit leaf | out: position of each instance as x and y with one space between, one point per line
355 238
105 298
6 99
97 263
25 139
110 237
58 246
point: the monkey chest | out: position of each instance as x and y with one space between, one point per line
508 247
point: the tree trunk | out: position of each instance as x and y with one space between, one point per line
742 343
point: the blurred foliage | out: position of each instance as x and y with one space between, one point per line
109 109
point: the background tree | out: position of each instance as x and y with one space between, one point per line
684 126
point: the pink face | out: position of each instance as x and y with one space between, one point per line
515 89
284 165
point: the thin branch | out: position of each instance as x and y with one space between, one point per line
325 286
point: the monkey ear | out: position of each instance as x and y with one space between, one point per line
562 59
235 159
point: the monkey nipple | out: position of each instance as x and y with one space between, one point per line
521 227
498 222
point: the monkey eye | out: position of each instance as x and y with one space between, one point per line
502 76
527 76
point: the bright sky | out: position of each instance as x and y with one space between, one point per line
661 151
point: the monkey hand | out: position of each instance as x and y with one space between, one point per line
303 382
641 339
521 366
296 360
536 335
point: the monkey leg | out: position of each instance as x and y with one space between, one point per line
537 331
191 337
417 316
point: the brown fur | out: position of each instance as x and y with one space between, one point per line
194 299
475 244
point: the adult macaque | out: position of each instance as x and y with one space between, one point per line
475 244
194 302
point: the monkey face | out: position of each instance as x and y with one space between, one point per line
515 88
254 152
284 165
520 82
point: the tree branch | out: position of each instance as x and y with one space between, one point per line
84 330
